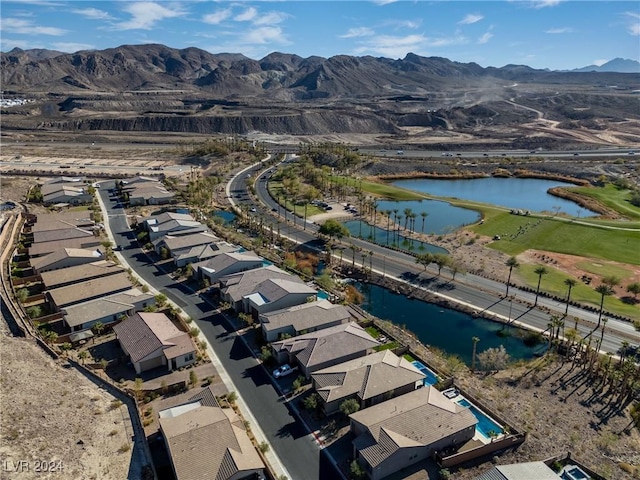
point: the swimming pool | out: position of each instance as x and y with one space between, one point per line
430 378
485 424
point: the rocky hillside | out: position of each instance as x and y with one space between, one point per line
278 76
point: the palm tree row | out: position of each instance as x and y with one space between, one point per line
605 289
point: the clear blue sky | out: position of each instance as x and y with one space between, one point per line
554 34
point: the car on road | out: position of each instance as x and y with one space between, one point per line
283 371
253 209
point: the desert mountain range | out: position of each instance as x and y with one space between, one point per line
157 88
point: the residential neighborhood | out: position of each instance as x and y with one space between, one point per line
370 401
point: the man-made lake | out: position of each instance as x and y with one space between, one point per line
519 193
390 238
442 217
446 329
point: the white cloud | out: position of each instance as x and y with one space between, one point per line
554 31
471 18
24 26
246 16
485 38
217 17
384 2
392 46
634 23
144 15
358 32
263 35
545 3
93 13
41 3
271 18
71 47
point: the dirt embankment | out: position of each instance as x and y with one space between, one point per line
585 202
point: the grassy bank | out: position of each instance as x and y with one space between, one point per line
553 283
613 197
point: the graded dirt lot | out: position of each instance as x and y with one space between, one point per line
55 423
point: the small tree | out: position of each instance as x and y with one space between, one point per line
161 300
357 472
493 359
34 311
83 355
232 397
264 447
193 378
265 354
311 402
138 383
297 384
98 328
349 406
23 294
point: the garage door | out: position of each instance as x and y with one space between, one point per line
151 363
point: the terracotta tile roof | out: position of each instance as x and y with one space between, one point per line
418 418
367 376
238 285
87 271
333 343
44 248
89 289
143 333
306 316
45 261
208 443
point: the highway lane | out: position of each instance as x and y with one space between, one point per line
290 440
483 293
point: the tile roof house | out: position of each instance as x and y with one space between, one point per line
152 340
208 442
299 319
275 294
325 348
520 471
226 263
65 190
175 245
64 258
44 248
370 380
234 287
87 271
171 223
407 429
88 290
106 310
62 221
62 234
147 191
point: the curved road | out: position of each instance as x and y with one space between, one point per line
482 294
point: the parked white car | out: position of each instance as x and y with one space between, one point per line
283 371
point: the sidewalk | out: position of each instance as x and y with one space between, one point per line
272 458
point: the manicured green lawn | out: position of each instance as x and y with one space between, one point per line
612 197
605 270
388 192
553 283
557 235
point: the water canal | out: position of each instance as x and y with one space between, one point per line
443 328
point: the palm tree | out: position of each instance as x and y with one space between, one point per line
540 271
407 215
570 283
388 214
475 341
604 325
511 263
604 290
424 215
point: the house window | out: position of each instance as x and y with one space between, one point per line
188 358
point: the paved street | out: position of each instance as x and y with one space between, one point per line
293 445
